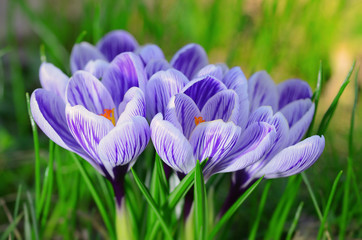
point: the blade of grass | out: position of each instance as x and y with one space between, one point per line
27 226
312 195
233 209
254 229
95 196
17 201
329 114
33 215
323 227
11 227
37 156
200 203
152 203
295 221
48 183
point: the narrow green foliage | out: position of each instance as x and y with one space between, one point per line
324 226
33 216
27 226
295 221
152 203
37 157
81 37
232 210
200 203
312 195
164 187
95 196
328 115
96 23
254 229
43 57
11 227
17 201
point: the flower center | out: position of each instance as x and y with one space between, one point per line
198 120
109 114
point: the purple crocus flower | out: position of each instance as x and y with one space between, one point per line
290 104
102 121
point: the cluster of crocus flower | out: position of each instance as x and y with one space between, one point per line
121 95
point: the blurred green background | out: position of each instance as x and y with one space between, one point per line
286 38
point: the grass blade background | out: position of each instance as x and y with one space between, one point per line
200 203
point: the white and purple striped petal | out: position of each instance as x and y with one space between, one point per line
97 67
150 52
214 70
87 128
160 88
190 59
133 104
171 145
53 79
262 91
86 90
81 54
124 143
124 72
294 159
223 105
116 42
201 89
292 90
156 65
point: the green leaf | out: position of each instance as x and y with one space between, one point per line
233 209
200 203
324 227
17 202
153 204
295 221
11 228
329 114
312 195
81 37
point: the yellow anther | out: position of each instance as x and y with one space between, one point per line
198 120
109 114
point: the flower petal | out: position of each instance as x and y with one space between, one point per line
156 65
81 54
124 143
254 143
48 111
87 128
214 140
84 89
186 111
116 42
294 159
171 145
150 52
97 67
234 78
53 79
223 105
214 70
262 91
291 90
201 89
299 115
133 104
190 59
124 72
160 88
261 114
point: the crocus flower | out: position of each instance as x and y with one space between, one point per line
290 104
103 122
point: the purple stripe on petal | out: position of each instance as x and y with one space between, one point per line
223 105
186 111
160 88
212 70
190 59
48 111
201 89
294 111
214 140
87 128
291 90
53 79
81 54
134 104
124 72
156 65
86 90
262 91
124 143
294 159
251 147
234 78
97 67
116 42
150 52
171 145
261 114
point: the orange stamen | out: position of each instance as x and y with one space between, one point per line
198 120
109 114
